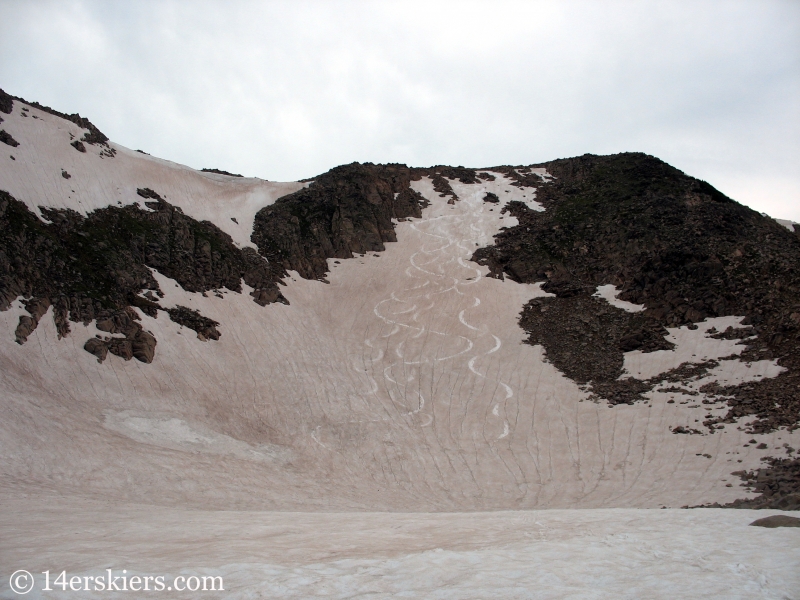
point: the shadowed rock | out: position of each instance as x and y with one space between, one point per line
6 138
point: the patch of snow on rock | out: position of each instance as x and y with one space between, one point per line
691 346
788 224
609 294
696 346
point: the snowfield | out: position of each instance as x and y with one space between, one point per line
97 180
386 434
597 554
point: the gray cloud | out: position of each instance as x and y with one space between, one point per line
285 90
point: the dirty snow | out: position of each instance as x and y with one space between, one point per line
98 181
413 391
402 386
605 553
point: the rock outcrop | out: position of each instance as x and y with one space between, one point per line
96 267
220 172
346 211
671 243
7 139
136 343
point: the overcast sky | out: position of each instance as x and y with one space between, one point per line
286 90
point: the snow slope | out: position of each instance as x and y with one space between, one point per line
98 180
598 554
401 385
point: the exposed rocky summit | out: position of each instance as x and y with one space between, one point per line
671 243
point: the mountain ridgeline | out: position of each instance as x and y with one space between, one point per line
671 243
668 241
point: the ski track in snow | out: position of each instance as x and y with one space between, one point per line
437 275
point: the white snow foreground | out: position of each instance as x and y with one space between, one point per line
603 553
402 386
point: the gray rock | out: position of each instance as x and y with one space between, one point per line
777 521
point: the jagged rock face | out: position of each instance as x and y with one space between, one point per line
345 211
105 257
671 243
95 267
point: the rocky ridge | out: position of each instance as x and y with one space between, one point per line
96 268
93 136
669 242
